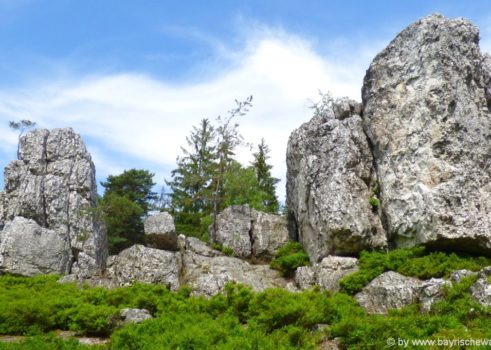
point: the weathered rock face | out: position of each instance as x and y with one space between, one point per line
209 275
481 290
160 231
250 232
426 98
53 183
432 291
325 274
390 290
142 264
29 249
329 184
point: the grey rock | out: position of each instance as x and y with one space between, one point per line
208 275
390 290
426 114
326 274
2 211
134 315
458 275
249 232
195 245
481 291
53 183
141 264
432 291
329 183
28 249
160 231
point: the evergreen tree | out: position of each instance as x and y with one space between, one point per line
21 127
191 185
127 198
267 183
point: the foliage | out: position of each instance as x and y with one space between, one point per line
238 318
374 202
123 221
416 262
136 185
21 126
240 186
48 342
289 257
126 199
266 182
225 250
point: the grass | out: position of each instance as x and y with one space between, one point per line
289 257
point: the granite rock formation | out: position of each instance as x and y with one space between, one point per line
329 183
160 231
48 199
249 232
426 100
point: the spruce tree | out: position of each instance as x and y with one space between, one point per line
192 180
267 183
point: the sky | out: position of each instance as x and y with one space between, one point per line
133 77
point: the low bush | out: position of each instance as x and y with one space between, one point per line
415 262
289 257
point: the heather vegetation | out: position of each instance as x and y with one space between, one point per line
239 318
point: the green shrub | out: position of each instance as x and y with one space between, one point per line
415 262
289 257
225 250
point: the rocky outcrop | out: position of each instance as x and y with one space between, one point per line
208 275
142 264
248 232
426 112
329 183
325 274
195 245
29 249
390 290
160 231
53 185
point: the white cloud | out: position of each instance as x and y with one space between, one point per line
135 120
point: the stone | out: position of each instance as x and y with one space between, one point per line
141 264
134 315
195 245
481 291
457 276
432 291
326 274
28 249
426 114
250 233
208 276
160 231
390 290
53 183
330 177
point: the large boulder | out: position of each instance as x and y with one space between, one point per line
53 184
28 249
160 231
141 264
208 275
390 290
330 181
426 112
325 274
248 232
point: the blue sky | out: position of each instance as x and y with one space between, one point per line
132 77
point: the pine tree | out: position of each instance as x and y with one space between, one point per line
267 183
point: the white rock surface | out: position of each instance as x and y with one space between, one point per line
160 231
